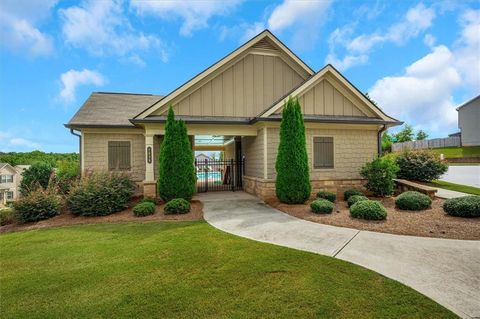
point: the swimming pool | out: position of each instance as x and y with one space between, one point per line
210 175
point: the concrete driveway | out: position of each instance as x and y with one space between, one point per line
464 174
448 271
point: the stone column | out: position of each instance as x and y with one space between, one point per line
149 184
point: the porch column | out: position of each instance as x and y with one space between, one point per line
149 185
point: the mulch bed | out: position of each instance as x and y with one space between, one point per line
66 218
432 222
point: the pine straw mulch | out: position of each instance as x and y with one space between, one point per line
66 218
432 222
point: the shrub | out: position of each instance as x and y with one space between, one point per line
352 192
176 165
37 175
177 206
327 195
292 185
413 201
144 209
36 205
368 209
67 173
467 206
7 216
355 198
321 206
149 200
420 165
380 174
100 194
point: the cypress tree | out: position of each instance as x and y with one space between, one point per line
176 165
292 185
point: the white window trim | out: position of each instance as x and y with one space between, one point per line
6 182
131 154
315 169
7 197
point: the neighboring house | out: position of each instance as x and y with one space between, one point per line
469 122
240 99
10 178
202 157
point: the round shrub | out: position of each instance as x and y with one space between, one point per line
144 209
355 198
7 216
327 195
149 200
177 206
379 174
321 206
368 209
36 205
413 201
420 165
100 194
467 206
351 192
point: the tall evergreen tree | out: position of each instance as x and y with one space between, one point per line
176 164
292 185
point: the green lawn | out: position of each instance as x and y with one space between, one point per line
455 187
465 151
187 270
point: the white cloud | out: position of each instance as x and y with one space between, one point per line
101 28
19 22
194 13
73 78
18 141
429 40
10 142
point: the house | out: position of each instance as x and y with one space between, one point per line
202 158
10 178
469 122
239 101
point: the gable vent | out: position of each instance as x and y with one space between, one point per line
264 44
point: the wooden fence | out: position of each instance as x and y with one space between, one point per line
433 143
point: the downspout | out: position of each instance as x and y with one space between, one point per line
379 139
72 131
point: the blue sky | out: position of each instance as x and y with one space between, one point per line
418 60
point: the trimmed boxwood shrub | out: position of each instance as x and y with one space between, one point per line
321 206
327 195
149 200
420 165
380 174
352 192
355 198
466 206
144 209
412 200
177 206
100 194
368 209
36 176
292 185
37 205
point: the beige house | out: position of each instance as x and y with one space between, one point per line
237 102
469 122
10 178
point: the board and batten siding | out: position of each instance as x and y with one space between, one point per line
253 151
244 89
352 148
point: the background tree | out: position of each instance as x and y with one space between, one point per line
176 165
36 176
387 141
292 185
421 135
405 135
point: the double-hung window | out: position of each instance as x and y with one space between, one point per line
6 179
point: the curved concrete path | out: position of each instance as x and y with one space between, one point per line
448 271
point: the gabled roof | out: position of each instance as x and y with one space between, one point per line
468 102
258 41
106 109
8 166
312 80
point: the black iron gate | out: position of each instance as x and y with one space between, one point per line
216 175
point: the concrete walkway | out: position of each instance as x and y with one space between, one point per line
448 271
446 193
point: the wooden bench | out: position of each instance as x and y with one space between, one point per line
404 185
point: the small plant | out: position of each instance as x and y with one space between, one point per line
321 206
467 206
327 195
177 206
66 175
37 205
36 176
368 209
144 209
7 216
413 201
380 174
420 165
149 200
355 198
351 192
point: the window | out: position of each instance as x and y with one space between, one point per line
9 195
6 179
322 152
119 155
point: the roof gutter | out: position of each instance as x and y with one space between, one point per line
379 139
72 131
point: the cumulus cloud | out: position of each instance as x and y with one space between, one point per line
194 13
19 26
11 142
102 29
72 79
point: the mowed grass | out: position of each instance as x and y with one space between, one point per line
187 270
452 152
455 187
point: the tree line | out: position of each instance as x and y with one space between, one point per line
30 158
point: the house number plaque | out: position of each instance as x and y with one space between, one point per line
149 155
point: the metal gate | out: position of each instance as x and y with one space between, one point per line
216 175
